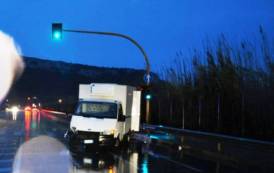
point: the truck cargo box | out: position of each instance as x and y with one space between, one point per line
127 95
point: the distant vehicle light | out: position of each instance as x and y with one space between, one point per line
110 170
27 108
35 110
101 163
14 109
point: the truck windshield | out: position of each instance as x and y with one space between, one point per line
97 109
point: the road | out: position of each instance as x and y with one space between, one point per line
33 141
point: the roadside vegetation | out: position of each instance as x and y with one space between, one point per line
225 89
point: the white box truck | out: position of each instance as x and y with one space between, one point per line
105 114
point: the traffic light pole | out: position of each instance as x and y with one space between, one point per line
121 36
147 111
137 45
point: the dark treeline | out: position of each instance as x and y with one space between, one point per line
225 89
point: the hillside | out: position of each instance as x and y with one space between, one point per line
51 80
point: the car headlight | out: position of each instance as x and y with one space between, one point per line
14 109
101 163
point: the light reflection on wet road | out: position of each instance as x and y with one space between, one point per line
26 127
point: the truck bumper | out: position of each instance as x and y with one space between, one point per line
91 138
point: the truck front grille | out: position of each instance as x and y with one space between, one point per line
88 135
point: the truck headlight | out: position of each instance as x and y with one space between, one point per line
109 132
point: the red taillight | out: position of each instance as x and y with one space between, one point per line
35 109
27 108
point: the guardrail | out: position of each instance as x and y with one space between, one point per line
212 136
236 150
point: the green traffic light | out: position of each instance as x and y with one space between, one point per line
148 96
56 35
57 31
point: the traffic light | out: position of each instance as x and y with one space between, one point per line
148 96
57 30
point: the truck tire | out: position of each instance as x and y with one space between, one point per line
126 139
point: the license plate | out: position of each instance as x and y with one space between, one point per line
88 141
87 161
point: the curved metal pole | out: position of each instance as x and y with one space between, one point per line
118 35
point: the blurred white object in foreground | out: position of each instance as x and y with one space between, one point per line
11 64
42 154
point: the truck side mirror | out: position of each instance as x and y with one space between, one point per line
121 118
69 116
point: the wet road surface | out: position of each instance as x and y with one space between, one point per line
30 125
33 141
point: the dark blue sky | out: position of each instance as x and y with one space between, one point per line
163 27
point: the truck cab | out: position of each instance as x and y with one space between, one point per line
105 114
